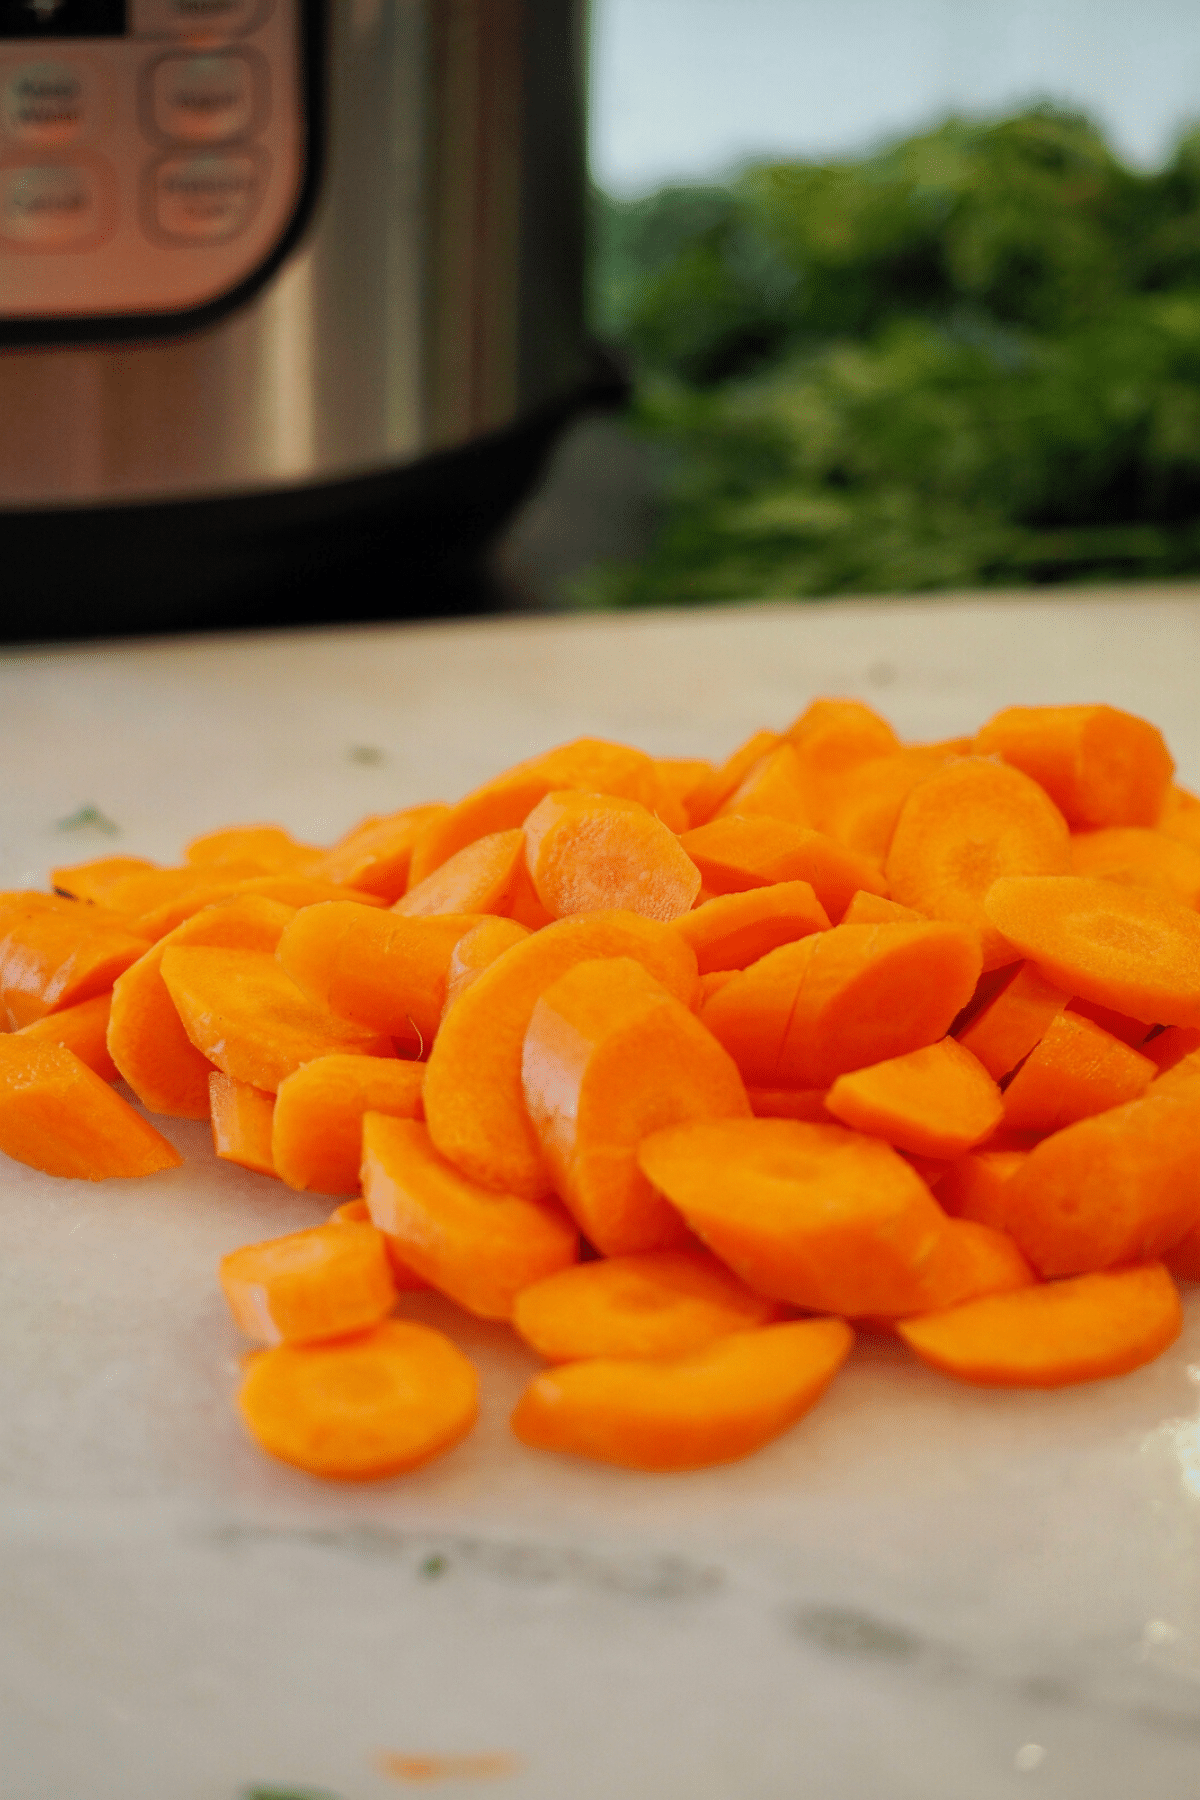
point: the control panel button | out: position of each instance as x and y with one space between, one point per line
203 99
45 102
202 199
197 18
52 206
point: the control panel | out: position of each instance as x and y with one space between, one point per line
152 152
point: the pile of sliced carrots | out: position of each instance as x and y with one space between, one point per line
686 1071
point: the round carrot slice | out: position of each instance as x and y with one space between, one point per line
601 852
939 1101
362 1407
309 1285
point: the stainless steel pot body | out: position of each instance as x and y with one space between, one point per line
434 295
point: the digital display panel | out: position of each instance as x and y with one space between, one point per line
62 18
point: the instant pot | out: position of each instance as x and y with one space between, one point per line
291 302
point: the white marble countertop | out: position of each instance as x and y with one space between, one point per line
924 1592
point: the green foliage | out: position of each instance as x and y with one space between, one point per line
971 359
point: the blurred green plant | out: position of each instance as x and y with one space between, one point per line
972 359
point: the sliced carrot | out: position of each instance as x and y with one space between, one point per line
836 735
380 970
357 1212
610 1056
310 1285
842 999
477 950
83 1029
683 777
734 930
478 1246
1098 765
506 802
241 1122
603 853
58 1116
316 1139
474 1102
963 828
1088 1329
275 851
54 956
972 1259
873 909
789 1103
246 1014
861 807
939 1101
773 788
1075 1071
366 1406
973 1187
146 1038
715 788
1005 1030
715 1406
814 1214
1140 858
1124 947
477 879
660 1303
711 984
94 880
1167 1048
375 856
733 854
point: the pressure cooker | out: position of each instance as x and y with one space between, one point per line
291 301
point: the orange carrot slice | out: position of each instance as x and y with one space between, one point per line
275 851
938 1102
375 856
660 1303
610 1056
814 1214
55 955
603 853
1123 947
683 777
861 806
842 999
477 879
963 828
773 788
1088 1329
367 1406
474 1101
971 1260
310 1285
58 1116
476 1245
1167 1048
94 880
873 909
241 1123
357 1212
1004 1031
316 1138
733 854
146 1038
734 930
1099 766
476 951
1075 1071
83 1029
1140 858
973 1187
715 1406
243 1012
833 736
715 788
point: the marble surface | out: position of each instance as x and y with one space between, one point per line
924 1592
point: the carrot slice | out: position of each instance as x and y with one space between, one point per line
476 1245
241 1123
316 1138
357 1212
736 853
610 1056
474 1101
54 956
716 787
1099 766
660 1303
243 1012
861 807
735 930
274 850
972 1259
477 879
375 856
1075 1071
1123 947
814 1214
58 1116
380 970
973 1187
310 1285
1168 1048
682 777
1140 858
1005 1030
833 736
83 1029
363 1407
774 788
939 1101
1088 1329
715 1406
873 909
842 999
962 829
94 880
476 951
602 853
146 1037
